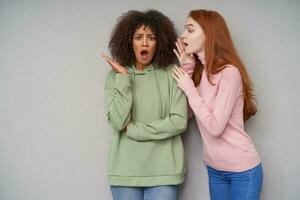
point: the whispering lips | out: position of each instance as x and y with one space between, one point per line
144 54
185 44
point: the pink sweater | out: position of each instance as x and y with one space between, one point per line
219 114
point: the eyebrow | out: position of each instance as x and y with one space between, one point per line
188 25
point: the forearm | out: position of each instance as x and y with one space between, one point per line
169 127
118 98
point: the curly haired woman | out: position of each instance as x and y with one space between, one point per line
145 108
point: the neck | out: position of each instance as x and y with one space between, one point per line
140 66
201 56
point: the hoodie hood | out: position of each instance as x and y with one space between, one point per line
135 71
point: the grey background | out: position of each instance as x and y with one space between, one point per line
53 133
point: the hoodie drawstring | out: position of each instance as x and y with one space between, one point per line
160 105
133 113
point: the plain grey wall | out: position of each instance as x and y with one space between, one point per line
53 133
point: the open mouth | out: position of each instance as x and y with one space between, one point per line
184 44
144 54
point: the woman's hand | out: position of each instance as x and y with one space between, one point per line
115 66
182 56
183 79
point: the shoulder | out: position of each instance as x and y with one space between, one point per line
231 73
111 73
169 69
165 76
110 76
166 70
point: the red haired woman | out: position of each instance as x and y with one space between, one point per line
221 98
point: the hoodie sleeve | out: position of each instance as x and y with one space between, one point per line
118 99
172 125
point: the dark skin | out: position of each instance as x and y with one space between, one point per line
115 66
151 23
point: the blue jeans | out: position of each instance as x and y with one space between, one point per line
164 192
226 185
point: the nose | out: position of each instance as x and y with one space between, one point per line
145 41
183 35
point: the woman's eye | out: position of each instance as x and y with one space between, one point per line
190 31
152 38
138 37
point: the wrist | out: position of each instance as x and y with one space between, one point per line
188 68
186 84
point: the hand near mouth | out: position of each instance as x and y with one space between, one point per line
115 66
182 56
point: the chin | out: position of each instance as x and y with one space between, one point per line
188 51
146 62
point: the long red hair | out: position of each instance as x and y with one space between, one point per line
219 51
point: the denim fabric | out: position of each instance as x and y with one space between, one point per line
226 185
166 192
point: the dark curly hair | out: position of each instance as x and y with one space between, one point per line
121 46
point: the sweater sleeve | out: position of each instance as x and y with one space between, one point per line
172 125
118 99
188 68
216 119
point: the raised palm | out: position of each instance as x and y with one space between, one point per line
182 56
115 66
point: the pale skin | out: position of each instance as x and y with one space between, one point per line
191 42
180 53
193 39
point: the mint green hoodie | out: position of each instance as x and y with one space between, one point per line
150 152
